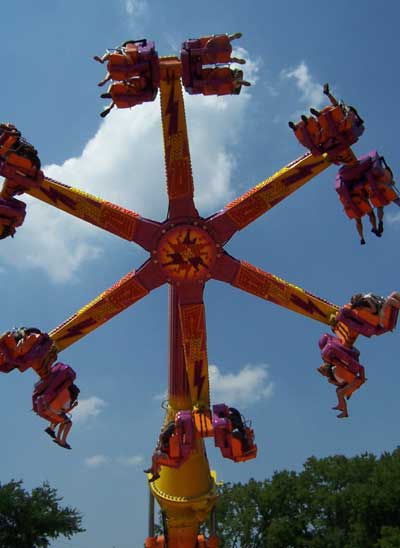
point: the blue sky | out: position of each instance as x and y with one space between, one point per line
264 358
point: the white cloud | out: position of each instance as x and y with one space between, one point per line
312 94
96 461
90 407
393 218
124 164
251 384
134 460
136 8
161 397
100 460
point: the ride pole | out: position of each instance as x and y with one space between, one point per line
186 494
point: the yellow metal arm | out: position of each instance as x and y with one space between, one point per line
247 208
176 142
108 304
115 219
253 280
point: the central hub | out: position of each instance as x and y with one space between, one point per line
186 253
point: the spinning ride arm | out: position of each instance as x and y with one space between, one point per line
176 144
253 280
127 291
22 174
115 219
247 208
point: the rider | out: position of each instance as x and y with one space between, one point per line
346 382
61 406
382 307
161 451
359 197
222 81
124 94
218 49
238 428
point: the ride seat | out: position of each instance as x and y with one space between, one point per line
238 446
139 60
380 183
131 93
336 353
209 50
365 323
53 390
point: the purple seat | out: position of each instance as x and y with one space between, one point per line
236 442
46 390
336 353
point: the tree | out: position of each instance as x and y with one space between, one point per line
335 502
32 520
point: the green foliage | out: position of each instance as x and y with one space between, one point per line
335 502
32 520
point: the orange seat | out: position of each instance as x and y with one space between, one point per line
217 81
219 47
126 94
119 63
331 119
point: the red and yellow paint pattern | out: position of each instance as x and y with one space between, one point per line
114 219
194 340
186 253
274 289
108 304
248 207
176 143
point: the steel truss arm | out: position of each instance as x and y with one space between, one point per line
115 219
253 280
176 144
127 291
247 208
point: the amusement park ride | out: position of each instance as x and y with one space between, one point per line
185 251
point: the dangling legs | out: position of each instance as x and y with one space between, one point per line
342 405
63 431
102 59
50 430
154 470
332 99
360 230
238 81
372 219
105 80
107 109
380 212
237 60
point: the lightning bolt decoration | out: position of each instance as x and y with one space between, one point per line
248 207
271 288
176 143
194 339
98 212
107 305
